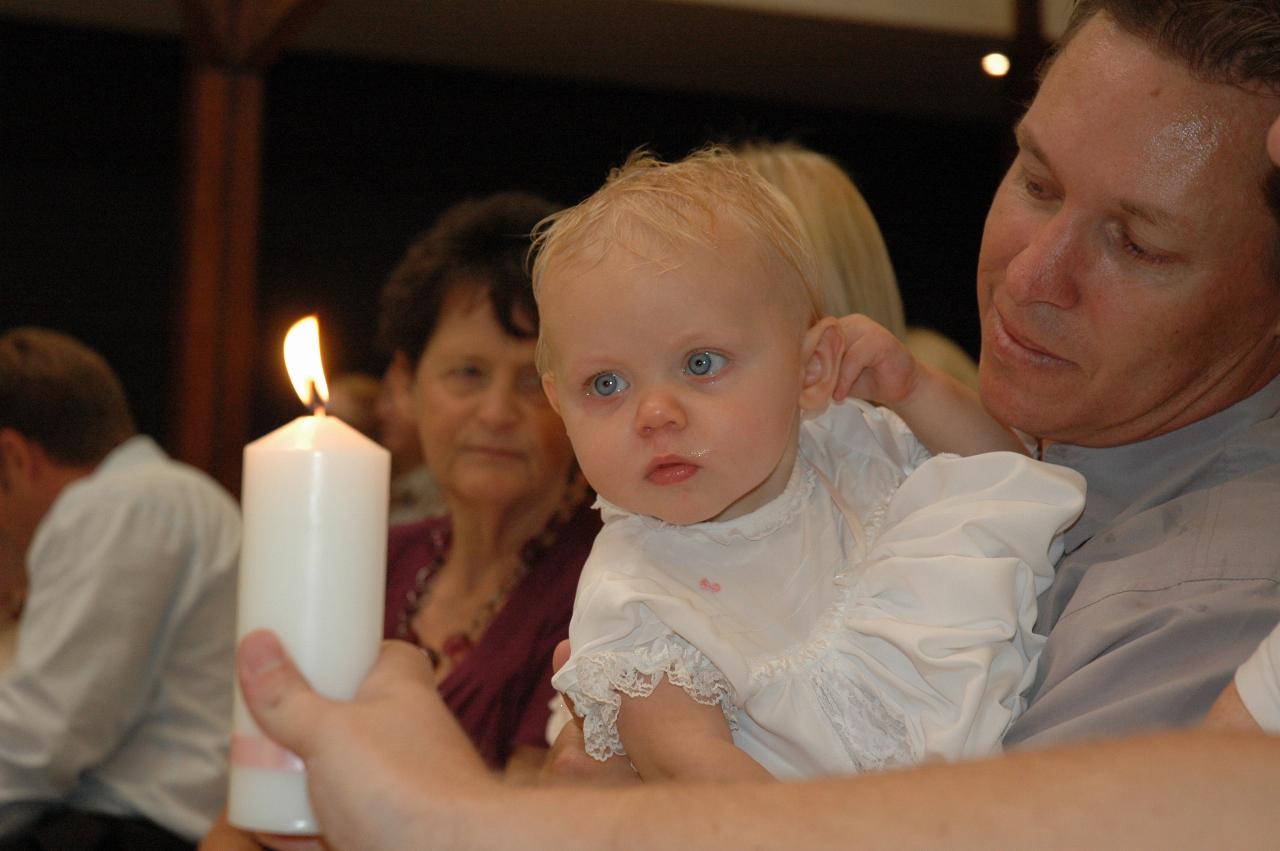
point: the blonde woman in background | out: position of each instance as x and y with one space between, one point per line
853 262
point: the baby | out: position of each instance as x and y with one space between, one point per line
782 584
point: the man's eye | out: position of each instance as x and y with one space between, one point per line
608 383
705 363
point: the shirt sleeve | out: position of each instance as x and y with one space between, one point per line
1258 682
626 634
939 619
893 435
104 577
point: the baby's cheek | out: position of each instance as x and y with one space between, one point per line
596 463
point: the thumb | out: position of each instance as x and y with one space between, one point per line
278 696
560 655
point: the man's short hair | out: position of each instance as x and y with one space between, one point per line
647 203
1234 42
58 392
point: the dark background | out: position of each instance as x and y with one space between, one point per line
359 156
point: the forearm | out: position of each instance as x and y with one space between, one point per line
392 770
1229 712
670 736
1178 790
698 762
947 416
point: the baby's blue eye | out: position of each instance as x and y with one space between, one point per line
705 363
608 383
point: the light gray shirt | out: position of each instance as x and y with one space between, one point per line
1170 581
119 697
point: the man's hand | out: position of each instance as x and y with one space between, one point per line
376 764
568 762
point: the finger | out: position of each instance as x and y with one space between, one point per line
859 356
398 663
278 696
569 763
560 655
278 842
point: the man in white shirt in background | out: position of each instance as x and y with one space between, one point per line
115 708
13 589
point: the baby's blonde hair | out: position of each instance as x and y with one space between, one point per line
678 204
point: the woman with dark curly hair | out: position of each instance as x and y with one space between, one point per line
487 590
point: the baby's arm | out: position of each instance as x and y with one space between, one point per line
945 415
670 736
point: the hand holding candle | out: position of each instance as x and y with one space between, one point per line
312 569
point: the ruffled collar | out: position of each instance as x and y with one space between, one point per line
762 522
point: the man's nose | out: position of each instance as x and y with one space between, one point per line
1046 270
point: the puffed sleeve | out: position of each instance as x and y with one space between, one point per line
1258 682
938 619
629 630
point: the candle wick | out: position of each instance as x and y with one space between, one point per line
314 403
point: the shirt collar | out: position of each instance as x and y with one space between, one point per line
138 449
1138 475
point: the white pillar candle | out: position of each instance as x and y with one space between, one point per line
313 570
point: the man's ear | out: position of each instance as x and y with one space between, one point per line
17 457
820 352
549 387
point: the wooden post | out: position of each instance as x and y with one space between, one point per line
231 42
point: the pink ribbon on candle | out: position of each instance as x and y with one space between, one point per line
261 752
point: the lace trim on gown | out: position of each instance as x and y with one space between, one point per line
603 677
873 735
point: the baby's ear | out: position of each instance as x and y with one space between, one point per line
821 351
549 388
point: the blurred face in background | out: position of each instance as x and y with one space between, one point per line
488 434
397 428
13 581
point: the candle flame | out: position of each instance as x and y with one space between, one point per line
302 359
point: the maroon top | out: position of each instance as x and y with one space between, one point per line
500 690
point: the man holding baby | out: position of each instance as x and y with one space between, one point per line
1129 292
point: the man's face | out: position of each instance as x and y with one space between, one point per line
1126 284
16 525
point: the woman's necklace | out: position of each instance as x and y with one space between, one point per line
456 645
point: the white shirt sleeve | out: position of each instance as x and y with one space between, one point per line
941 612
1258 682
101 587
626 637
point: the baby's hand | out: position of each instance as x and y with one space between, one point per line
875 364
